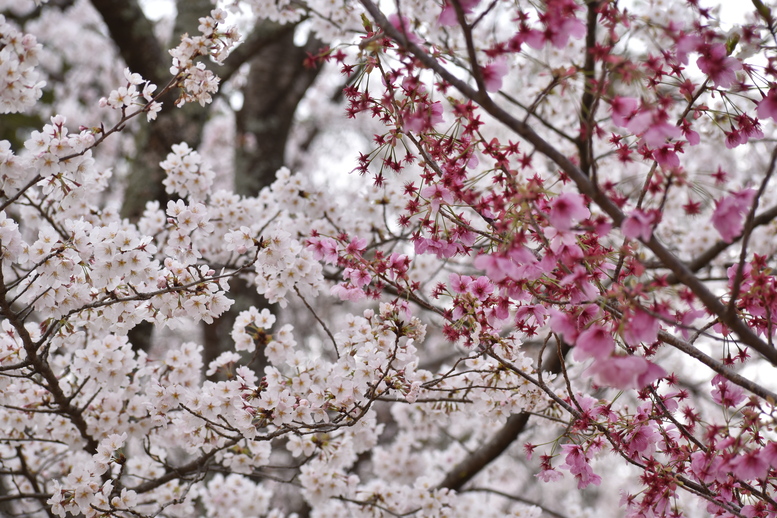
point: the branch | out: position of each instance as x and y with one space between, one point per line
465 470
194 466
746 233
517 499
263 34
718 366
706 257
541 120
42 368
477 73
318 319
588 99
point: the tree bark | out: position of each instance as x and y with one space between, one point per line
277 81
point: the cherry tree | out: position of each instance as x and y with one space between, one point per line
544 287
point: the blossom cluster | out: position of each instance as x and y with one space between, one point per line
19 81
199 83
186 174
127 96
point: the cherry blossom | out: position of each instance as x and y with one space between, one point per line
19 80
728 218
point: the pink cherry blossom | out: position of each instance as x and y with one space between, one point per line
707 468
725 393
640 327
666 157
537 312
623 109
687 43
625 372
734 138
638 224
358 277
460 283
497 268
356 247
563 324
403 25
767 107
654 129
561 22
493 73
728 218
717 65
425 118
750 466
595 342
448 16
481 288
324 248
437 194
566 209
550 475
577 462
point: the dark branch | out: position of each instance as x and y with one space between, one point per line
589 97
513 428
718 367
196 466
264 33
706 257
475 462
